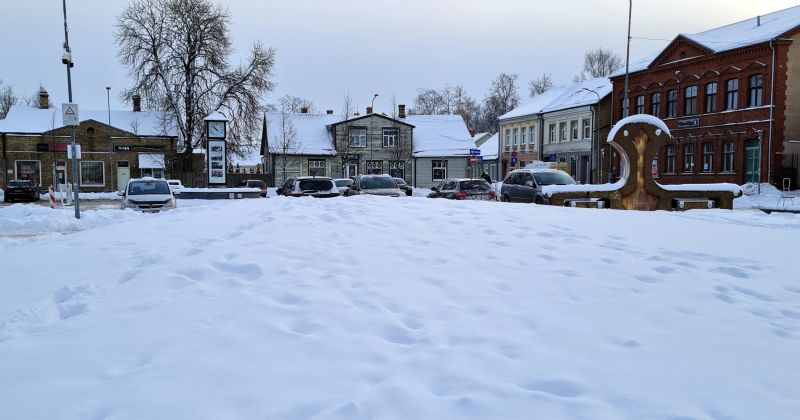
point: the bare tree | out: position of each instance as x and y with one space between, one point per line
289 103
464 105
428 102
447 101
285 145
342 143
177 53
598 63
541 85
7 99
503 96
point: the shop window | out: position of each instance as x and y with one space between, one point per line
92 174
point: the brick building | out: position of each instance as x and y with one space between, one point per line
714 90
135 143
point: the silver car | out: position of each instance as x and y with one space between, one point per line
375 185
148 195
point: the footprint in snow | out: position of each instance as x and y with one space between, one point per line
557 387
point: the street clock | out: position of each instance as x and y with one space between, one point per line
216 149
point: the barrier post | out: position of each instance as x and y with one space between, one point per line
52 196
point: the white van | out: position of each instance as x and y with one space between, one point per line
148 195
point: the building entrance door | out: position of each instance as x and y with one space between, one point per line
123 174
752 161
351 169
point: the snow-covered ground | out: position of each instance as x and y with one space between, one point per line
768 198
372 307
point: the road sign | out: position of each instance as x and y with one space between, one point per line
77 149
473 159
513 160
480 158
69 114
474 151
514 155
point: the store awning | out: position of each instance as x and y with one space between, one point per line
151 160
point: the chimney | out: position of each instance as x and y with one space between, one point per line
329 112
369 110
401 111
758 20
137 103
472 132
304 110
44 99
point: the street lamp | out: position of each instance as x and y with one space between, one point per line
597 159
625 111
67 60
372 105
110 143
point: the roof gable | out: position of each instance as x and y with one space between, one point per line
351 120
681 48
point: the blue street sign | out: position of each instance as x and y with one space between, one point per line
474 151
480 158
513 160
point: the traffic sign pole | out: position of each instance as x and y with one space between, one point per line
67 59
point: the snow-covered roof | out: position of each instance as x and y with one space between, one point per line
535 104
735 35
489 148
563 97
440 135
313 136
216 116
34 120
250 155
581 94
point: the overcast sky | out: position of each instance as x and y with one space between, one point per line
326 48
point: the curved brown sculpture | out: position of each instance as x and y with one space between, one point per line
638 141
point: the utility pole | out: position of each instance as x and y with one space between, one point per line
625 109
110 142
67 59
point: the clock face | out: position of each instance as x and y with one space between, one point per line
216 129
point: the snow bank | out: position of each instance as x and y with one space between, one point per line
397 309
84 195
34 219
228 190
549 190
769 198
638 118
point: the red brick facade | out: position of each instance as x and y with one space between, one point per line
719 137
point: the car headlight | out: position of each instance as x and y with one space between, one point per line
130 204
170 203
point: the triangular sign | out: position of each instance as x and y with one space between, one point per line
69 111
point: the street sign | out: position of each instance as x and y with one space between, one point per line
69 114
77 149
473 159
513 160
514 155
474 151
480 158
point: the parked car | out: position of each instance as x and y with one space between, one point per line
525 185
375 185
175 184
403 185
255 183
21 189
309 186
343 184
464 189
149 195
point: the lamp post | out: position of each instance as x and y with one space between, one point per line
110 142
595 110
67 60
627 106
372 107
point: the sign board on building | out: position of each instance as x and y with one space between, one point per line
474 151
122 148
69 114
42 147
77 149
216 162
58 147
690 122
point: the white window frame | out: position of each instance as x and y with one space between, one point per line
553 132
374 164
562 131
532 136
397 166
573 129
38 163
150 172
516 136
361 138
317 164
438 165
390 136
102 173
587 128
508 138
524 135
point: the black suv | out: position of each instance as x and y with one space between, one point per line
21 189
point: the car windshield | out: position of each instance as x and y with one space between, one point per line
374 182
315 185
256 184
473 185
553 178
400 182
148 187
344 182
19 184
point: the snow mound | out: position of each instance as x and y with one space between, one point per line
638 118
34 219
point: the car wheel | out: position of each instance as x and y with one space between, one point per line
506 199
538 200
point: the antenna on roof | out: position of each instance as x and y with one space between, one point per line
758 20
